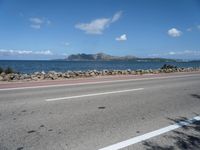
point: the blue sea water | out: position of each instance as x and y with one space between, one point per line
62 66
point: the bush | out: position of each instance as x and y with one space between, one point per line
165 66
1 70
8 70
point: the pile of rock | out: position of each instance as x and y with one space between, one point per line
52 75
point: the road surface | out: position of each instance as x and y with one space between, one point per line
148 112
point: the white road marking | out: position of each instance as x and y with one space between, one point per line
98 82
149 135
95 94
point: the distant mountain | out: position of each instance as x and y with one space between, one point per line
194 61
106 57
97 57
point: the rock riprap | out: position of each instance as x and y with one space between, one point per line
53 75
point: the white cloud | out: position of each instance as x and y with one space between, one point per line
191 54
65 43
172 53
37 23
94 27
193 28
24 52
36 20
35 26
189 29
186 52
46 52
121 38
116 16
97 26
174 32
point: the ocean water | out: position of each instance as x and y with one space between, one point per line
62 66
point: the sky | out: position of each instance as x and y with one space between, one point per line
50 29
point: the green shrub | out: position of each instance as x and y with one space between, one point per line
8 70
1 70
165 66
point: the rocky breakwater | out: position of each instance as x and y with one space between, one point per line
52 75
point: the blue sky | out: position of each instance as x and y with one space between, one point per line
41 29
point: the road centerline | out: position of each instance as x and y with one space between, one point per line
93 94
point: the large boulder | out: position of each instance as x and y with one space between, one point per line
87 74
43 73
128 71
34 77
40 77
53 76
66 75
16 76
133 72
92 74
7 77
3 74
105 72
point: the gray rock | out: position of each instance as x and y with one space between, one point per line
36 73
12 76
155 71
34 77
43 73
52 72
3 74
66 75
147 71
133 72
129 70
92 74
150 71
53 76
40 77
59 74
105 71
6 77
16 77
87 74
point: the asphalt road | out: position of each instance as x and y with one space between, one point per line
96 116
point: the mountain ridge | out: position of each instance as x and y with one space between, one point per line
106 57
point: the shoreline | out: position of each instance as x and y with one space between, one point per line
68 75
92 80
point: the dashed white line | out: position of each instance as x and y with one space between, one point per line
149 135
94 94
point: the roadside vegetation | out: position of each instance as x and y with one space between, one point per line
165 66
7 70
1 70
